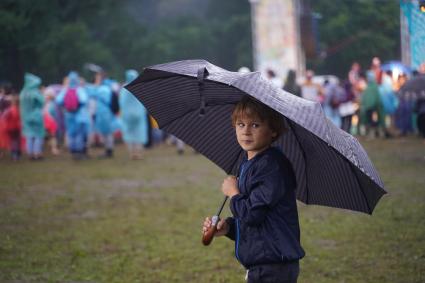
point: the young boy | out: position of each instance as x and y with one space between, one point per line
265 224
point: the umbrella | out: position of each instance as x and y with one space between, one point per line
415 85
194 99
396 67
93 68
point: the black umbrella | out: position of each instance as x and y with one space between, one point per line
194 99
415 85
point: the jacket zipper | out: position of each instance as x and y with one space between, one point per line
237 240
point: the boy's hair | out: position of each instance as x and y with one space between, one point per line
248 106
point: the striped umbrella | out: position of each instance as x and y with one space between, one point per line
194 99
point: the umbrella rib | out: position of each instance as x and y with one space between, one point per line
305 160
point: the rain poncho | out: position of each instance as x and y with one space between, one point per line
104 118
79 120
4 105
387 95
133 114
371 100
31 107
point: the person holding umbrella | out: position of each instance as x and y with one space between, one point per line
194 100
265 224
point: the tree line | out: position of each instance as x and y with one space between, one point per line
51 37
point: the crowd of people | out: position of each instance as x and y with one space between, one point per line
78 115
372 103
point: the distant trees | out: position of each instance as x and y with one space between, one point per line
356 30
51 37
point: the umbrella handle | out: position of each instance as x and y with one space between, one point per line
208 235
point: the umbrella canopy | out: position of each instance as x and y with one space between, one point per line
396 67
194 99
415 85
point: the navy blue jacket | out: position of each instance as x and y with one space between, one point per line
265 223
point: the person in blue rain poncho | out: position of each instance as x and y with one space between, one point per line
31 108
104 119
389 102
77 120
134 119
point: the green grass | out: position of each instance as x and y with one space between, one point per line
140 221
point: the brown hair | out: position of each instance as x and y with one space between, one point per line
248 106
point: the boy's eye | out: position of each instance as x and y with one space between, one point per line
255 125
240 125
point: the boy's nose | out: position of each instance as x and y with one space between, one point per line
246 131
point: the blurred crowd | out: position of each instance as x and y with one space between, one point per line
378 102
75 115
382 101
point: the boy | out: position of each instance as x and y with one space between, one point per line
265 224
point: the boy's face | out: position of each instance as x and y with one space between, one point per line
253 135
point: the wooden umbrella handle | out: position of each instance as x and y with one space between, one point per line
208 235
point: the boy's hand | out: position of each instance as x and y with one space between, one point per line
230 186
222 227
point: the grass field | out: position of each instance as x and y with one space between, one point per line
140 221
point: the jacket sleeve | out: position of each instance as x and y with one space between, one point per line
231 233
267 188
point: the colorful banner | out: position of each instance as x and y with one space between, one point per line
276 36
412 25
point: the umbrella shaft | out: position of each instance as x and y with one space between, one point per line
222 205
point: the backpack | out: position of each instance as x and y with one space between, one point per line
115 105
71 100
